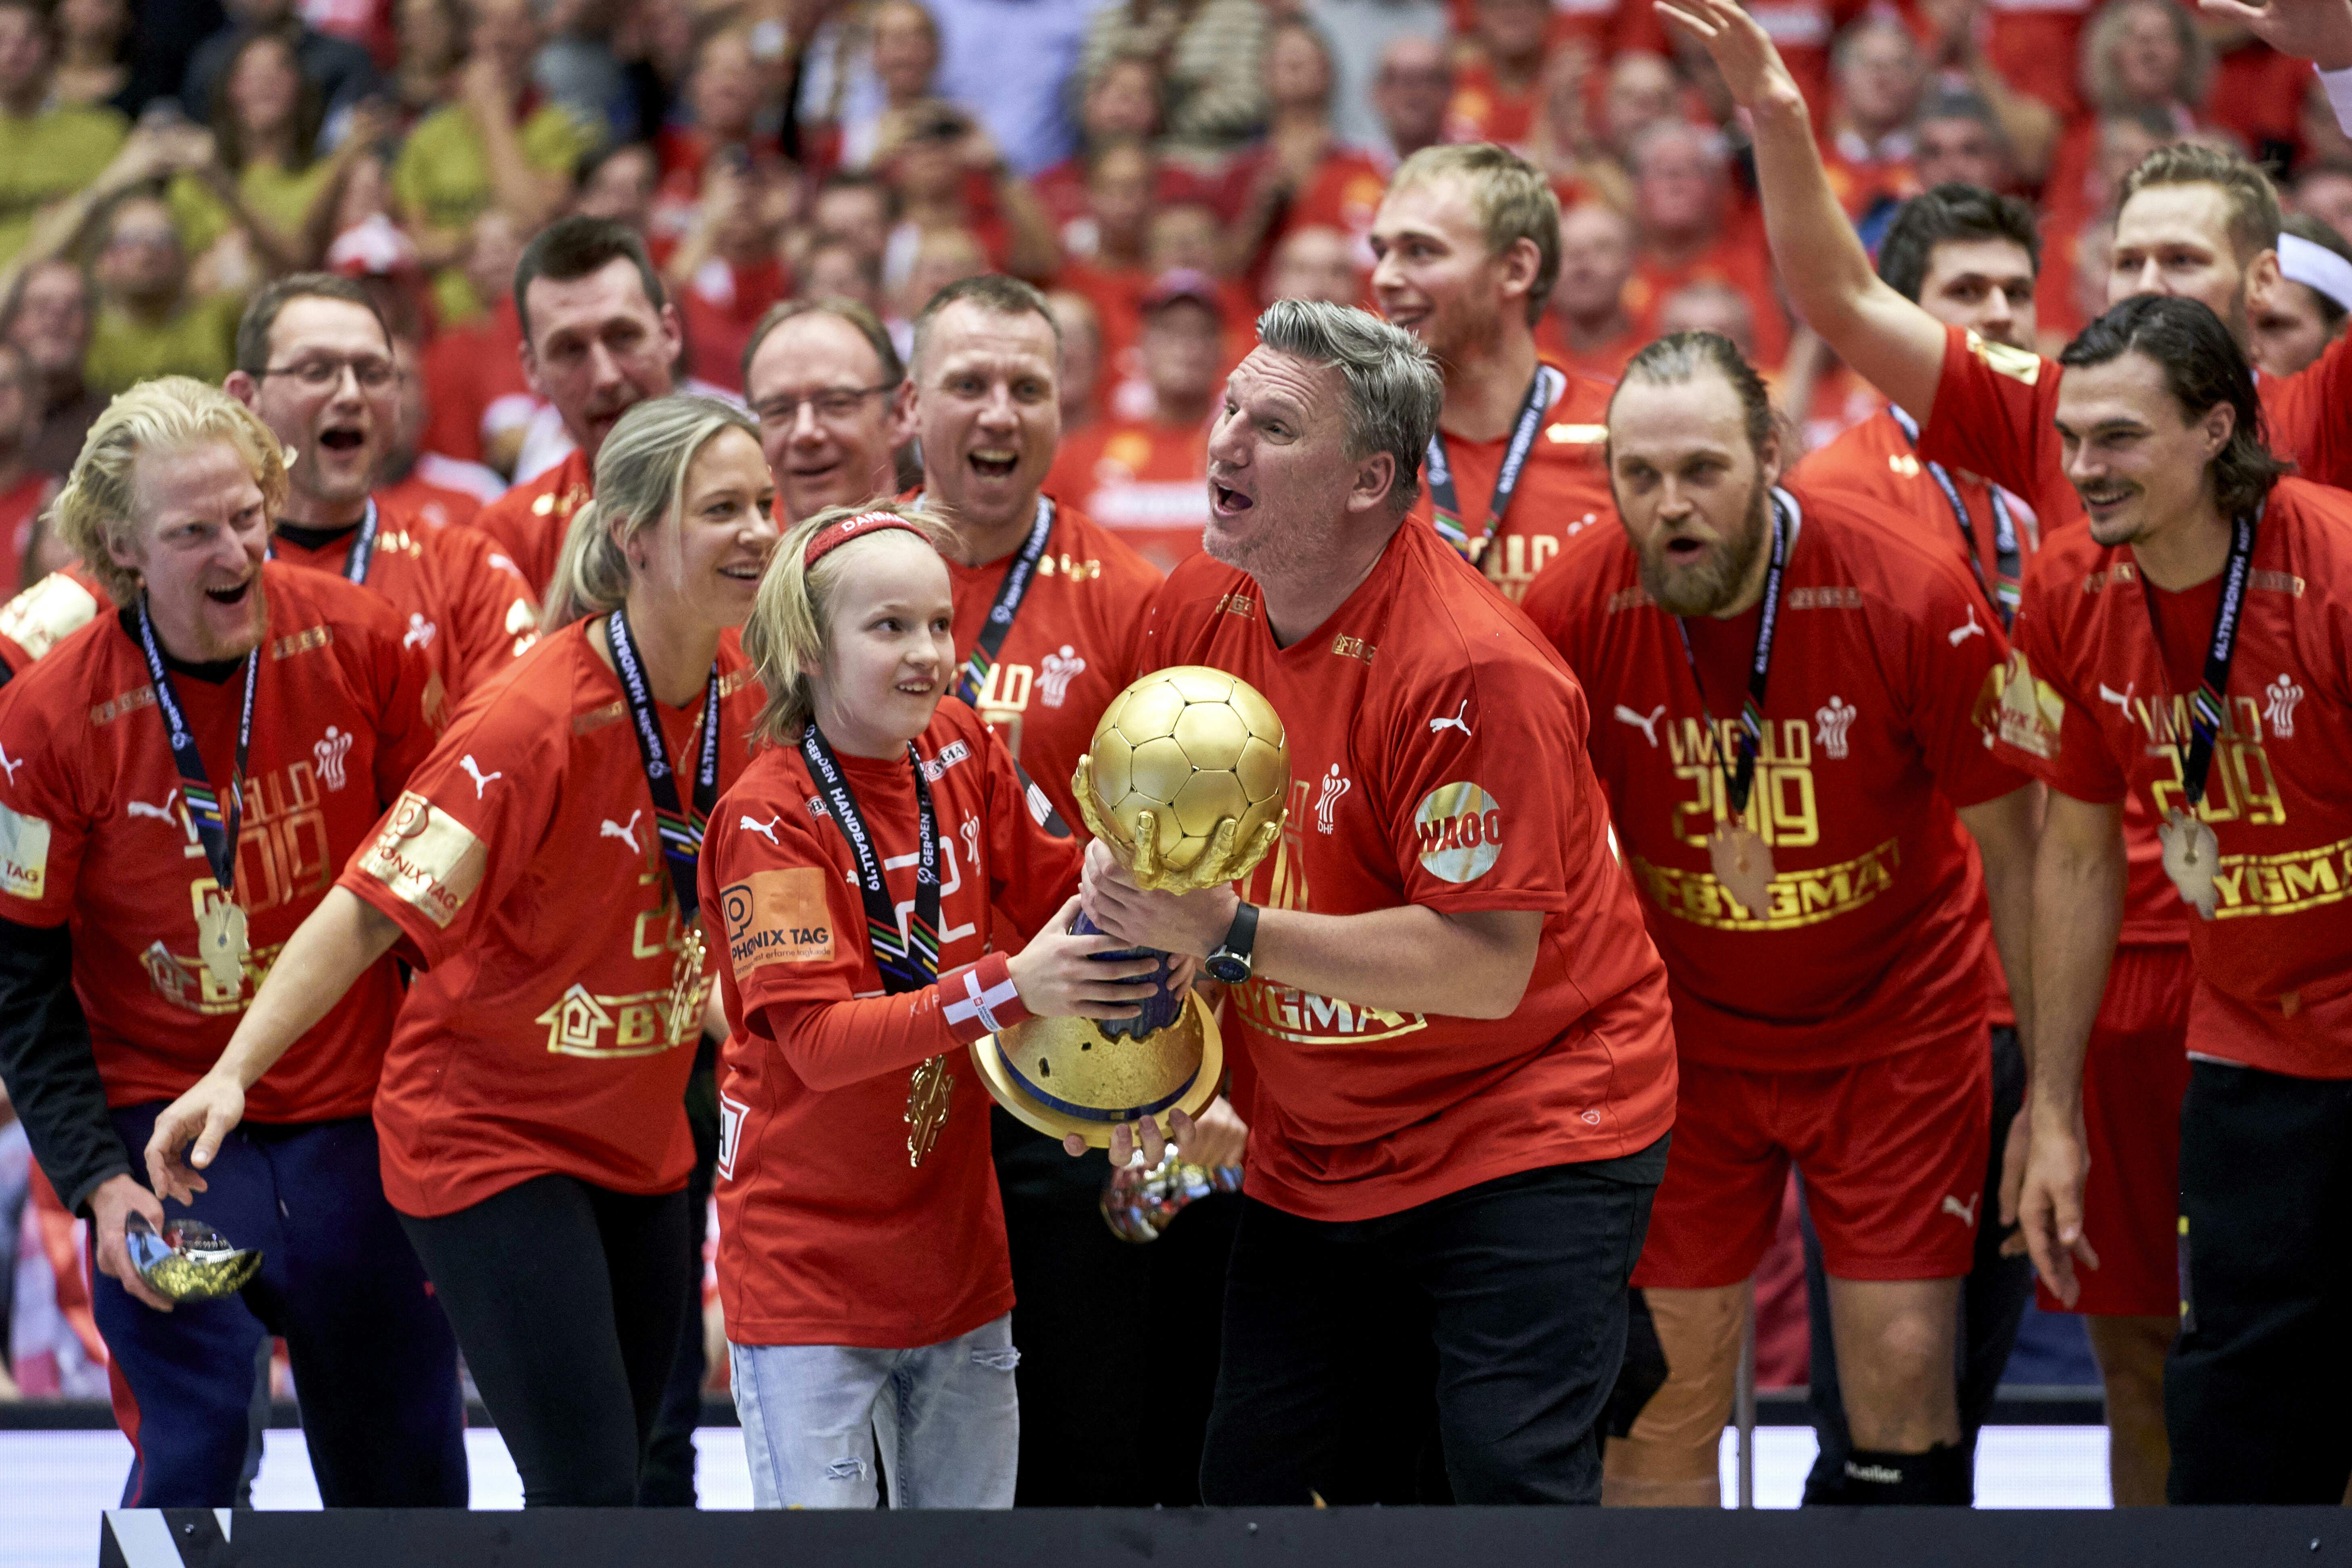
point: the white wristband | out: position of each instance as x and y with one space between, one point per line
2337 84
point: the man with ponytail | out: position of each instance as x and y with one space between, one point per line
539 873
182 776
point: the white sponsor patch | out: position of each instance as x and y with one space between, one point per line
23 855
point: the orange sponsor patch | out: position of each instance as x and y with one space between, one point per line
777 917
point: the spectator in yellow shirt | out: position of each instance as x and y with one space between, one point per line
47 151
150 321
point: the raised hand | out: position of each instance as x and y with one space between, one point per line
2319 31
1752 68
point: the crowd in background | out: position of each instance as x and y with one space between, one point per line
1162 167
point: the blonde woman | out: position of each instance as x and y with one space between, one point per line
540 874
869 1292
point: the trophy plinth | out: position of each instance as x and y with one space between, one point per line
1185 783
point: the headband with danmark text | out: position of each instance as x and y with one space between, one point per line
834 535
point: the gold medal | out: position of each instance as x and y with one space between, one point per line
928 1094
2192 854
221 945
1743 864
684 1004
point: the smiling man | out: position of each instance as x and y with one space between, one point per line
598 336
1459 1031
2185 651
141 902
1468 241
832 401
316 362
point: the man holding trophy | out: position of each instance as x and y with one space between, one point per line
1450 1028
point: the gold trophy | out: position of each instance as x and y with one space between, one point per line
1185 782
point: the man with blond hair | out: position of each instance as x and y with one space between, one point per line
1468 242
180 779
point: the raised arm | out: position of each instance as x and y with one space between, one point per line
1888 339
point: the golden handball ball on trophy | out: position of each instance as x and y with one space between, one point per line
1185 782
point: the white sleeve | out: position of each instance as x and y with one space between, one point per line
2337 84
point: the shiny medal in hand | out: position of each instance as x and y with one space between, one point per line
928 1096
187 1260
1743 864
2191 857
221 945
684 1008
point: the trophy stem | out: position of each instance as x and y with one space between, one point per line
1161 1009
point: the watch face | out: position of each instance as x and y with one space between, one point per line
1226 968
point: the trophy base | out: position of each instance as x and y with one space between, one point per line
1008 1092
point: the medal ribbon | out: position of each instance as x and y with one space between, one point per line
363 552
911 963
972 679
1740 780
2205 705
1446 502
2007 592
681 831
218 835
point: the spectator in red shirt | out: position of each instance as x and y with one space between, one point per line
1958 140
725 271
481 400
1683 202
2139 56
837 269
1641 91
1121 104
1588 328
1877 73
1496 93
949 175
1316 262
1410 92
1287 179
1082 359
857 208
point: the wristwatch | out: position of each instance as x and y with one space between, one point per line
1231 963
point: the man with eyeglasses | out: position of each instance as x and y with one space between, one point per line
832 401
315 360
599 336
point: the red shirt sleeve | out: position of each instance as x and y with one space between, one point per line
494 611
2308 415
1948 681
43 830
1473 825
1996 410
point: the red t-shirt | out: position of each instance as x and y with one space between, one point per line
861 1247
523 868
434 505
1436 758
95 833
1605 361
1564 487
1739 260
718 306
1144 480
2035 45
1483 110
459 600
2099 708
529 521
1070 650
46 614
1875 942
468 371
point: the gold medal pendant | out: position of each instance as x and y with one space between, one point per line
2192 854
684 1006
1743 864
221 945
928 1094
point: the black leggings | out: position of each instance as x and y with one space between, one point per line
566 1299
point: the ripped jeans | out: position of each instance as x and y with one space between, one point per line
943 1417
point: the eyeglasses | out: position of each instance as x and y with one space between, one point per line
372 374
833 405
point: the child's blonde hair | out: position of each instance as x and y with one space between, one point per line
786 635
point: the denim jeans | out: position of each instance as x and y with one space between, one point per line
943 1418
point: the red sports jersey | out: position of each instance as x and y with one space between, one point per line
46 614
818 1251
530 520
1863 174
2097 706
434 505
1436 758
95 833
460 600
1739 260
1071 649
470 370
1564 489
523 868
1606 361
1876 939
1483 110
1144 480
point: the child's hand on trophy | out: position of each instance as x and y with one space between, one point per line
1190 924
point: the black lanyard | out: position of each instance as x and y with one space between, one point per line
682 834
972 679
1445 503
2009 561
2205 706
217 834
1740 780
908 962
363 554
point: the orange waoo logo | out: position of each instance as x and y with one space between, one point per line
1460 827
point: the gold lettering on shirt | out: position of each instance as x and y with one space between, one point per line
429 859
1347 646
2284 884
2020 709
1834 598
1782 803
2018 365
578 1020
1076 570
1518 557
303 641
1798 898
1286 887
1304 1018
2239 782
1237 603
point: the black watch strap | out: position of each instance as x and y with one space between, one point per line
1233 955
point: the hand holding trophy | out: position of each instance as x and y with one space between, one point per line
1185 783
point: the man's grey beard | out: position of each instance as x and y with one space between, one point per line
1709 587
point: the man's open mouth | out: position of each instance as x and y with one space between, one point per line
236 596
1229 499
995 463
342 438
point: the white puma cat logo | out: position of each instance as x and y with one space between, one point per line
9 764
2122 699
1966 1213
1456 722
162 814
612 829
1649 726
481 780
766 830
